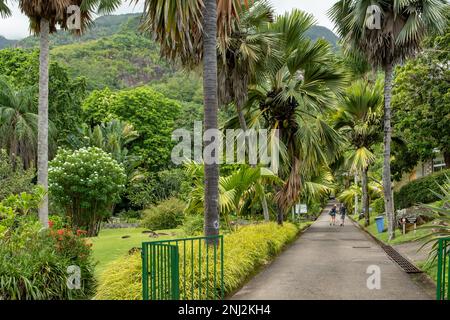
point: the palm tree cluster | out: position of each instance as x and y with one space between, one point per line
403 25
264 65
359 120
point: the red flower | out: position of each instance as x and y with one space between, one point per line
80 232
60 232
50 223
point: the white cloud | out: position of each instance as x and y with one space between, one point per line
16 27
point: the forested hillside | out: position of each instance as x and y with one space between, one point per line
113 53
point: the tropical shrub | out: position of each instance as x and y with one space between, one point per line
378 205
193 224
166 215
153 188
151 114
87 183
34 261
244 252
13 178
423 190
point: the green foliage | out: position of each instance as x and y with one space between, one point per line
166 215
378 205
422 117
21 67
87 183
13 178
33 261
151 114
153 188
193 224
244 252
423 190
441 212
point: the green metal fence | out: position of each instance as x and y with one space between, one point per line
183 269
443 273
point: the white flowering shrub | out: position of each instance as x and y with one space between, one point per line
87 183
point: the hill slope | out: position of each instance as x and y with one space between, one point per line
113 53
5 43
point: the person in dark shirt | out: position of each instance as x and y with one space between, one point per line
332 214
342 212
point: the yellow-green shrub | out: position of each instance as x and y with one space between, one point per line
244 252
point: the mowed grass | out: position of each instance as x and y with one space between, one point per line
399 237
109 245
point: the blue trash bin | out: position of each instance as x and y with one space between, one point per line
380 223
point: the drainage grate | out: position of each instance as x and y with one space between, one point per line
407 266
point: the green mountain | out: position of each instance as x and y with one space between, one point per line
5 43
317 32
113 53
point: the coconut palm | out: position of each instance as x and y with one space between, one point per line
44 16
403 25
359 119
290 97
187 32
19 123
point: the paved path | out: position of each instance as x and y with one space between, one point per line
331 263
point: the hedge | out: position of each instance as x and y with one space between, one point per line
244 252
420 190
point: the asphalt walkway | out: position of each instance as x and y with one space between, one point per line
331 262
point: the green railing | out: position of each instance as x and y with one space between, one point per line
183 269
443 273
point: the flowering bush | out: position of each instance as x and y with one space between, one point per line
34 261
87 183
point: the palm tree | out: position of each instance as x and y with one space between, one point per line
4 9
113 137
44 15
187 31
19 123
404 23
241 189
359 120
290 97
245 53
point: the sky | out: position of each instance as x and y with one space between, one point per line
16 27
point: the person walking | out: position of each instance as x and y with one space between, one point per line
332 214
342 212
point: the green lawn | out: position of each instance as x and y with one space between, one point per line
399 237
109 245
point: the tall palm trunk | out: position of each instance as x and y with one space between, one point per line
42 161
356 196
211 106
365 196
388 199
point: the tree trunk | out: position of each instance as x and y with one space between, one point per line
447 159
388 199
43 119
211 224
265 208
356 196
280 215
365 196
